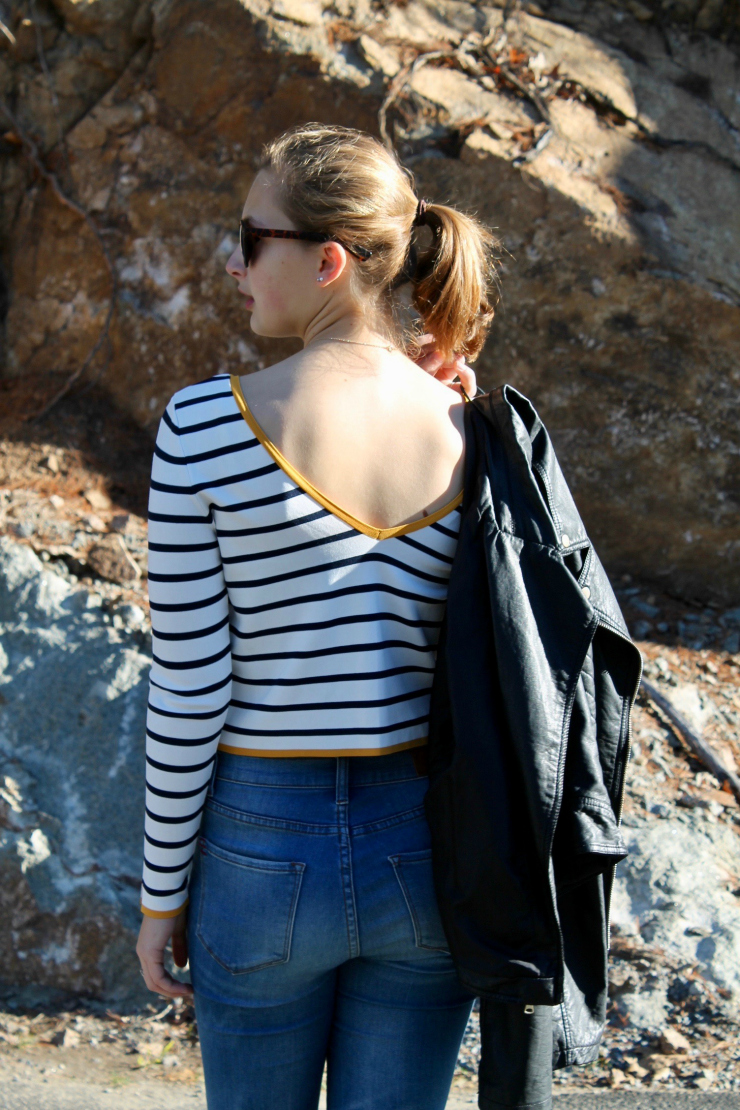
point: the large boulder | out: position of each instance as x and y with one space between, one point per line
600 139
676 897
72 708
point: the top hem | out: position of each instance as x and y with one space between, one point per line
279 753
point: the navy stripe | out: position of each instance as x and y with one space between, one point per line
206 716
193 634
175 548
175 769
279 527
372 731
372 587
308 545
188 606
446 531
176 793
206 425
214 483
175 518
179 739
337 622
257 503
191 664
163 819
215 453
194 576
170 843
165 893
366 557
427 550
354 676
343 650
204 399
313 707
192 693
163 870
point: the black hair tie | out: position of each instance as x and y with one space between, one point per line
421 213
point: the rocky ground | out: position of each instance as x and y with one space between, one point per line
675 957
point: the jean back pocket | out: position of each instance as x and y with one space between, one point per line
414 873
247 908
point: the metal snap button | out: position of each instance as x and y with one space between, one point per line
565 540
586 591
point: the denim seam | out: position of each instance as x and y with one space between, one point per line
325 785
298 871
270 822
389 822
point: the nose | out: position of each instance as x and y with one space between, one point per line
235 266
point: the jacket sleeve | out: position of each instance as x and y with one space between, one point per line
190 680
515 1071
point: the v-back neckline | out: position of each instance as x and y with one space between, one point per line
309 488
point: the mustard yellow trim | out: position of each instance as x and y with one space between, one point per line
283 753
317 495
163 913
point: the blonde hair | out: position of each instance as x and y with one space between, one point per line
345 182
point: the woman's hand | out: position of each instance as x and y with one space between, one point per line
434 364
154 934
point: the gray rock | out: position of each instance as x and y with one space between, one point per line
72 710
672 893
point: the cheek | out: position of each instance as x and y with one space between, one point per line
275 284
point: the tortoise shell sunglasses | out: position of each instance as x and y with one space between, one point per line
249 235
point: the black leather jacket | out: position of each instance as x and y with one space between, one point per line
534 684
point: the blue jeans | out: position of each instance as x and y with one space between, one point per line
314 935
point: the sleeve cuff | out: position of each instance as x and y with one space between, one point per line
163 913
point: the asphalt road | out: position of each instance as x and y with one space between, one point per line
63 1095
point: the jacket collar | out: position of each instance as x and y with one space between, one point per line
512 464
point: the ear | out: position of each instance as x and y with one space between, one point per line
332 263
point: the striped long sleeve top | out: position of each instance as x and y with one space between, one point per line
281 624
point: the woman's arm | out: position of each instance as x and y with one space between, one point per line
189 688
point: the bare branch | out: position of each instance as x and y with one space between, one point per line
397 85
701 749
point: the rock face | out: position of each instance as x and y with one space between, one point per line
72 706
601 139
674 894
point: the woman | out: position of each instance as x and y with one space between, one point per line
303 521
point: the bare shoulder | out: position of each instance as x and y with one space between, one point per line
269 384
440 399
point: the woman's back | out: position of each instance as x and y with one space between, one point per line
369 429
324 624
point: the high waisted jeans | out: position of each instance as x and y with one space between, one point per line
314 935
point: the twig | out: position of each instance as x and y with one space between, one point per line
397 84
129 558
33 154
530 94
701 749
7 32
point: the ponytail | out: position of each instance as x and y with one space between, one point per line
342 181
453 280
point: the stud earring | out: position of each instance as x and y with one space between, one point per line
319 279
